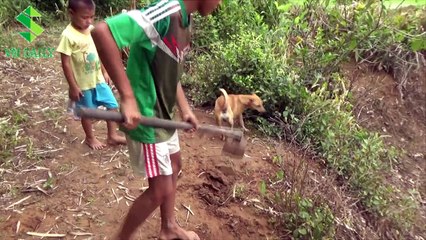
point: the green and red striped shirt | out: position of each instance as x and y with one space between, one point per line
159 38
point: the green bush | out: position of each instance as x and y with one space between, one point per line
292 61
310 220
10 124
56 9
110 7
9 9
360 157
228 21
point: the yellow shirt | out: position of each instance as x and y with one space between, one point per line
84 57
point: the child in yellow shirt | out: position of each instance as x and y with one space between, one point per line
84 72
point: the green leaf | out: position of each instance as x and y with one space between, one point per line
306 203
304 215
399 37
284 7
280 175
302 231
297 20
353 44
262 188
418 44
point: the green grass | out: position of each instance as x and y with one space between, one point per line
388 3
401 3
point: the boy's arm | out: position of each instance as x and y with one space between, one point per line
106 75
74 90
186 112
110 58
65 48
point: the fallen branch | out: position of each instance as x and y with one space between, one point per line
18 226
115 195
115 200
52 235
79 199
81 234
113 156
72 170
188 209
75 226
18 202
129 198
42 190
5 170
39 152
50 134
35 169
269 210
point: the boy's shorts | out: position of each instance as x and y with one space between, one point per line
152 160
101 95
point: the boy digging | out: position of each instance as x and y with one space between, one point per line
84 73
159 37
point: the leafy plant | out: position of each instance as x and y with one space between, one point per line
290 54
10 126
9 9
262 188
310 221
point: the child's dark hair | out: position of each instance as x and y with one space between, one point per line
75 4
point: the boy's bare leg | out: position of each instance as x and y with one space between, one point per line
145 204
169 227
90 140
113 137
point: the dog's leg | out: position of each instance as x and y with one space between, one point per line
242 123
231 120
219 123
231 124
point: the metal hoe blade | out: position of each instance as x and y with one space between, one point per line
234 147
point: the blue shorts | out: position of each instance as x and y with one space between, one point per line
100 96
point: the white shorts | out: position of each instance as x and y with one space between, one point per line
152 159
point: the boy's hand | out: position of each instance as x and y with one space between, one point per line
108 79
189 116
109 82
75 94
106 75
131 113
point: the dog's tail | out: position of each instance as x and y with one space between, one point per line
225 95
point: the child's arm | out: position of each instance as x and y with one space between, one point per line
110 58
74 91
187 114
106 76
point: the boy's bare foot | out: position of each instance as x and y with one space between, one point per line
116 140
178 233
94 143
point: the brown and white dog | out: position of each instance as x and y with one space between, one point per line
230 107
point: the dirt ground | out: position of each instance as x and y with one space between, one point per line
88 184
69 189
56 184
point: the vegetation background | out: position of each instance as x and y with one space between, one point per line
291 54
